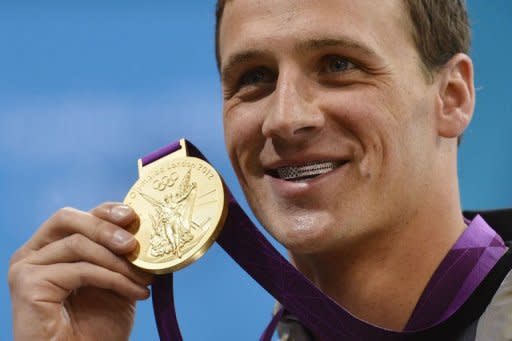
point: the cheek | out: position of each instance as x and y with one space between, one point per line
242 137
375 122
363 117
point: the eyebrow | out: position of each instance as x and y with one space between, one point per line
241 58
344 42
301 47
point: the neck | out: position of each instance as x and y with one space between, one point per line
381 281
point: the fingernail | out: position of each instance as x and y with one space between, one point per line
121 237
120 212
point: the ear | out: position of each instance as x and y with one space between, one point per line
456 96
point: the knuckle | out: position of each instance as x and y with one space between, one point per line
81 273
74 242
117 280
13 275
64 215
16 256
101 230
18 277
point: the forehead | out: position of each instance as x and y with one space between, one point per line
257 23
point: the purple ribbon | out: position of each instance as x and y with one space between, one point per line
462 269
317 312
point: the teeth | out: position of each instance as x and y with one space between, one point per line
308 170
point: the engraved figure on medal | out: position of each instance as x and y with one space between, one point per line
172 223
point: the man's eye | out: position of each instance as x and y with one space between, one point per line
336 64
257 76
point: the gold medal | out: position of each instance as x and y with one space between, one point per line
181 204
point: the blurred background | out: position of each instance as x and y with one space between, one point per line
87 87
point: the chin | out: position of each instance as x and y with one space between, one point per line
302 235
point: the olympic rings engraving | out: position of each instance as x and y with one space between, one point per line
165 182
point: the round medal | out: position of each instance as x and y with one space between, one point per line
182 207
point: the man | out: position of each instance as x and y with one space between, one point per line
342 120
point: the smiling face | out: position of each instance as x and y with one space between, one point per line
328 117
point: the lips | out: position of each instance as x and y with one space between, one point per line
306 171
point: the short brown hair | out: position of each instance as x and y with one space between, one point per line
440 29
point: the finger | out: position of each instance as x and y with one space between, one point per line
115 212
119 214
66 277
78 248
68 221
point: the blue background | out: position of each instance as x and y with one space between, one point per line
87 87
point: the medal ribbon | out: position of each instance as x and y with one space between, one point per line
317 312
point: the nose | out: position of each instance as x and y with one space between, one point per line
292 115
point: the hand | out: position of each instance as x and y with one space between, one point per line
71 281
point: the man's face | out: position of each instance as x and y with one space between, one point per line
328 117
